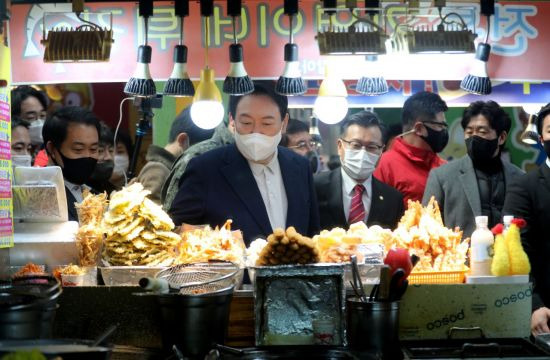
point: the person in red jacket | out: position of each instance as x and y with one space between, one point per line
414 153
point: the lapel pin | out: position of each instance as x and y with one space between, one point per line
381 197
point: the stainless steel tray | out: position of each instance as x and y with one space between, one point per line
127 275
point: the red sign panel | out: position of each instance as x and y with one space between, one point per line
517 36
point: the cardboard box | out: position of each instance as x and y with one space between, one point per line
500 310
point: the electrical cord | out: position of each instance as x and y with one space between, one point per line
116 132
488 29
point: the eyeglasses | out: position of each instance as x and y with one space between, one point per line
302 145
356 145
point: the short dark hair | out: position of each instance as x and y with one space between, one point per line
492 111
294 126
424 105
17 121
55 127
124 138
543 112
364 119
106 134
261 88
183 124
21 93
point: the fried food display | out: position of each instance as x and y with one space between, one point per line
203 244
89 238
92 207
72 270
138 230
422 232
337 245
30 269
288 247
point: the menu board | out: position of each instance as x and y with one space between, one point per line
6 175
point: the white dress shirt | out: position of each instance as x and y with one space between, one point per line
270 182
548 162
347 193
76 190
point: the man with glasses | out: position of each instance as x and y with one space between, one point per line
350 194
477 183
298 139
414 153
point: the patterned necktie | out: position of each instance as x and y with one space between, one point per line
357 209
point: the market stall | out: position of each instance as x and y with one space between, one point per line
300 298
126 282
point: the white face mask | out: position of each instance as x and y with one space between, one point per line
35 132
255 146
359 164
121 165
21 160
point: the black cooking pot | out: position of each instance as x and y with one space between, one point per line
27 308
195 323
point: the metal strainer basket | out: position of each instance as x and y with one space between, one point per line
200 278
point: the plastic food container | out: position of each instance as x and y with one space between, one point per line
72 280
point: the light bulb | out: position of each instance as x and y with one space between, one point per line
207 114
330 109
207 109
331 105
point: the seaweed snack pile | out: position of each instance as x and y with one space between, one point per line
138 230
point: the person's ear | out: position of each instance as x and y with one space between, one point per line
502 138
418 128
50 149
183 140
231 124
285 123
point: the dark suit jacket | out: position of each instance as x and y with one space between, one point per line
529 198
73 215
454 186
219 185
385 210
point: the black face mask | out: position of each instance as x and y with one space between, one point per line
480 149
436 139
313 158
546 145
78 170
103 171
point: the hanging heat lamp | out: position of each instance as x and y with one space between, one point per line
290 82
141 83
237 81
207 109
478 81
530 135
179 83
331 104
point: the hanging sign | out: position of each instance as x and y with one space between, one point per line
518 33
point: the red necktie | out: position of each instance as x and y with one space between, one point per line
357 209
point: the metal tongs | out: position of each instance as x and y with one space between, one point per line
357 284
